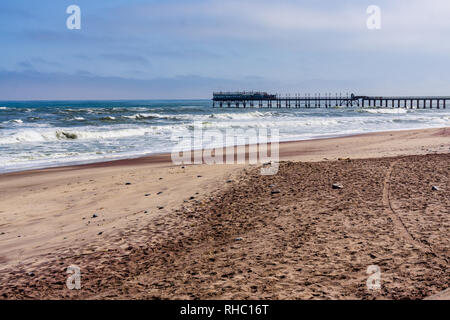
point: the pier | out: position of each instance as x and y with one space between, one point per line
265 100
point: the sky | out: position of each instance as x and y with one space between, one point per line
186 49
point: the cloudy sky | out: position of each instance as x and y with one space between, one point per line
131 49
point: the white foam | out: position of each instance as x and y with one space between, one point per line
32 135
241 116
385 111
140 116
39 144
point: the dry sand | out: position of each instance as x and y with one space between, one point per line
219 239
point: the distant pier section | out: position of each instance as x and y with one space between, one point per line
260 99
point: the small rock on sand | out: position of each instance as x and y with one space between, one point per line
94 216
160 207
147 194
435 188
337 186
127 183
275 191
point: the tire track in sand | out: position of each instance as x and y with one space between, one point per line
400 226
398 223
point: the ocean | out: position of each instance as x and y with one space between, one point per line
38 134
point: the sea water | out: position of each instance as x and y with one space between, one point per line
37 134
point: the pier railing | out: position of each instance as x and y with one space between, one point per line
264 100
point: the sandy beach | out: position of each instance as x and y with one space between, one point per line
147 229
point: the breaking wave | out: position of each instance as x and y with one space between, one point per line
385 111
31 135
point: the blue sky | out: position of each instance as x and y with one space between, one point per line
188 48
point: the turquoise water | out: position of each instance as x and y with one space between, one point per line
51 133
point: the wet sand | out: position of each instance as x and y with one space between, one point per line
143 228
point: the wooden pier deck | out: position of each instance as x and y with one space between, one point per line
264 100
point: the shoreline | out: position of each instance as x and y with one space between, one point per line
164 157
